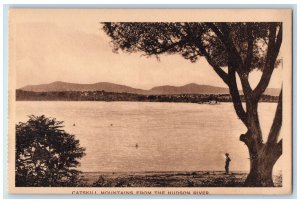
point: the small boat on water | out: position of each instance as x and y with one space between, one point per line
214 102
211 102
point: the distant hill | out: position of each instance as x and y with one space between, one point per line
59 86
191 88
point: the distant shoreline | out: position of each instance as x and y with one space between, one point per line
22 95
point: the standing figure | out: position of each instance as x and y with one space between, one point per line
227 163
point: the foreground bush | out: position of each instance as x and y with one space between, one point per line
46 155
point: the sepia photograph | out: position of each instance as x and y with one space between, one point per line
150 101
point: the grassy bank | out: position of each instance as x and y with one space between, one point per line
169 179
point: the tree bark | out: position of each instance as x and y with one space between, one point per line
263 156
260 174
261 165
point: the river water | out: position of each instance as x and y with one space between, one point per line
144 136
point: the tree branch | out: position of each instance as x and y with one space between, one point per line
221 73
226 40
247 90
235 95
216 30
272 53
277 123
278 152
275 150
278 41
230 80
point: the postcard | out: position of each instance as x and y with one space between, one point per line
150 101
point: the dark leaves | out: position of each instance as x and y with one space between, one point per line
250 40
46 154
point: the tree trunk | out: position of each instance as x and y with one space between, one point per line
260 171
262 160
260 174
263 156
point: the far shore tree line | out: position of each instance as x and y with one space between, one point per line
22 95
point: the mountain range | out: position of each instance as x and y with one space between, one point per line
191 88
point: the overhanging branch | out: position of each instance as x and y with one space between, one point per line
226 40
230 80
221 73
272 53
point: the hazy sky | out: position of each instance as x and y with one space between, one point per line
70 46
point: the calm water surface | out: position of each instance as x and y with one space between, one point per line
170 136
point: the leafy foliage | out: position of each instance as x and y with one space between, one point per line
45 154
193 40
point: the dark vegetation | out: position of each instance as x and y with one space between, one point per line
22 95
46 155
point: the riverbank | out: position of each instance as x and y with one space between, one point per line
169 179
115 96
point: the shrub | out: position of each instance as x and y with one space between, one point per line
46 155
